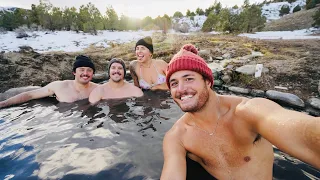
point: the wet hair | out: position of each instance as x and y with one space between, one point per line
117 60
83 61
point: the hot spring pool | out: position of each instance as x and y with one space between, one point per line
114 140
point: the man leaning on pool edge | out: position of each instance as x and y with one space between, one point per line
230 136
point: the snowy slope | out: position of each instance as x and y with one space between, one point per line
271 11
297 34
11 9
195 25
68 41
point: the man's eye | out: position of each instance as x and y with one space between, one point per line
173 84
189 79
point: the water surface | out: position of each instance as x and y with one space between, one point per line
114 140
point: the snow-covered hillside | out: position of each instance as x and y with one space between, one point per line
68 41
272 11
194 25
11 9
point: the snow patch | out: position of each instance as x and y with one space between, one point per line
297 34
68 41
272 11
195 24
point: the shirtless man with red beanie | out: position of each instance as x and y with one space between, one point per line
229 136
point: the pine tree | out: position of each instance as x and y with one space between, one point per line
178 14
57 18
296 9
112 19
284 10
210 23
188 12
70 18
199 11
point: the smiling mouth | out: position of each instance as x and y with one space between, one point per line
183 98
85 77
140 56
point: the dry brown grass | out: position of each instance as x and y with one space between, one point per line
299 20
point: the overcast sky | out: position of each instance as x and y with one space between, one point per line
132 8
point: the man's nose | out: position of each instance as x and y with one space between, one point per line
181 87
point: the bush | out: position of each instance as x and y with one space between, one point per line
312 3
291 1
316 18
296 9
284 10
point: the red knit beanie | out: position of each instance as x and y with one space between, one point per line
187 59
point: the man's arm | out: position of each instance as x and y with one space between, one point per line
27 96
174 158
134 76
95 95
293 132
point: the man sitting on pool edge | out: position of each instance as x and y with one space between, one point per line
116 87
65 91
229 136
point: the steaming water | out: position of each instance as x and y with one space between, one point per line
114 140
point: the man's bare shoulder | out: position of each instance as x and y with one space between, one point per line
134 89
255 109
178 129
56 85
93 85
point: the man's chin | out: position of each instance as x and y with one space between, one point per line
116 80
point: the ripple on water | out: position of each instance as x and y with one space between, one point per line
116 139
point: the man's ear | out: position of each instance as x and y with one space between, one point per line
74 73
208 83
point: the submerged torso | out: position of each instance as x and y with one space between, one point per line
67 93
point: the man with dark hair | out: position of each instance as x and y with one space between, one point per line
116 87
65 91
230 136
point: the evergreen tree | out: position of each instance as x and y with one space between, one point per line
217 8
34 15
199 11
43 14
112 19
188 12
251 17
6 20
284 10
296 9
208 10
57 18
123 22
70 18
178 14
89 19
147 21
20 18
210 23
